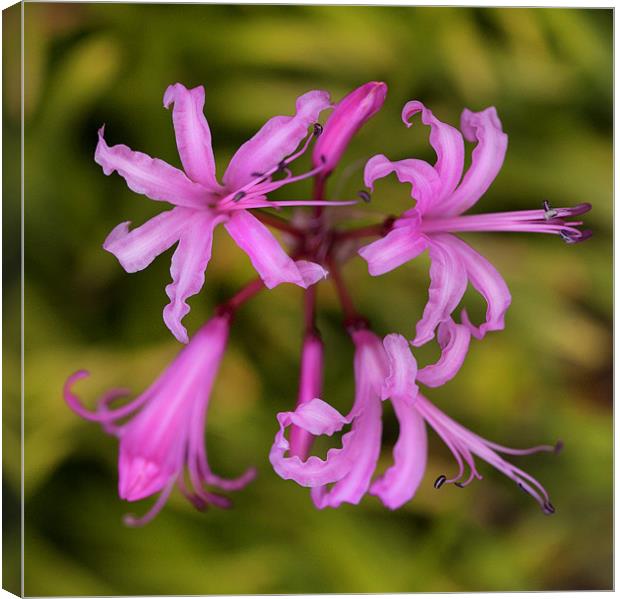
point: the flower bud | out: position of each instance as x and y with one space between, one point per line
346 119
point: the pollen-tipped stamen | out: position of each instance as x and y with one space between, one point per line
548 220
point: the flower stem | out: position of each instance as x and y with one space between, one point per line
279 223
378 230
318 193
243 295
352 318
310 310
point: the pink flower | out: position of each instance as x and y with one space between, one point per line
165 432
441 199
343 123
201 202
387 371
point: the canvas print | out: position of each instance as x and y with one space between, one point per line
316 299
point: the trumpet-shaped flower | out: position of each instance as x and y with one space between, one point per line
201 202
389 371
441 199
164 435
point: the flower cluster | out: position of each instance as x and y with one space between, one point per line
161 432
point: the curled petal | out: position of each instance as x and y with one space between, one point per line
135 521
487 159
488 282
364 445
152 177
448 284
310 272
454 342
400 382
400 245
317 418
421 175
187 268
192 133
371 369
344 122
400 481
271 262
137 248
277 138
447 143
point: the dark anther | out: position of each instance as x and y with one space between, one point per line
323 159
548 508
238 196
317 129
549 211
522 488
567 237
439 482
559 446
364 195
281 166
572 238
459 485
256 174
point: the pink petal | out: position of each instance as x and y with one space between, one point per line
447 143
454 342
399 246
487 159
365 447
152 177
137 248
400 482
192 133
310 272
278 137
317 418
188 266
365 441
448 284
488 282
139 477
425 183
400 382
271 262
343 123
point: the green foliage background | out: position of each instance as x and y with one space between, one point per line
547 376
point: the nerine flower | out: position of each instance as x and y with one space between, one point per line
161 432
201 202
441 199
388 371
164 436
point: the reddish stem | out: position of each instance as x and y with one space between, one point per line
318 193
279 223
242 296
371 231
351 315
310 310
